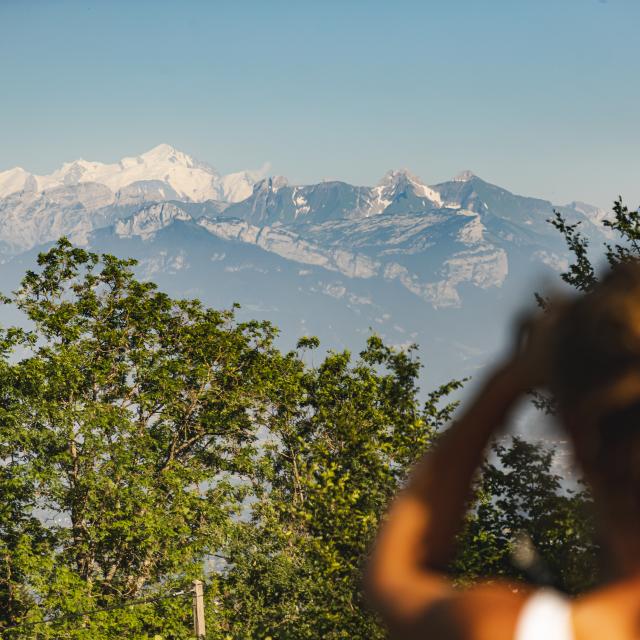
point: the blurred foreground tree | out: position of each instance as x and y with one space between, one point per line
542 503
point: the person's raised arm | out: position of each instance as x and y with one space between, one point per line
406 571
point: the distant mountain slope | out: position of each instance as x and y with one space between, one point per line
82 196
274 200
468 191
444 266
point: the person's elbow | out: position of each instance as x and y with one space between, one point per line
400 593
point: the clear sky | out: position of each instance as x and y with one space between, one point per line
539 96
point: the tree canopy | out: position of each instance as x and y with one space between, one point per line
123 424
144 437
146 441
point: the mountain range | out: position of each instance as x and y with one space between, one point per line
443 265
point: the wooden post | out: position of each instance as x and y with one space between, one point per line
198 609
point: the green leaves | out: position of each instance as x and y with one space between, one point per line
576 565
581 274
625 225
340 445
518 492
126 428
147 441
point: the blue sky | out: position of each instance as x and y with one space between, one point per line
542 97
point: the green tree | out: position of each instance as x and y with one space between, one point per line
143 439
340 446
519 494
126 419
624 226
571 551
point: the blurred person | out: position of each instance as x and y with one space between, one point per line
586 352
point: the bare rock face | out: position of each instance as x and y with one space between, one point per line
288 244
440 265
146 222
435 242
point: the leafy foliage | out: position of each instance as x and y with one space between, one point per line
580 570
147 441
339 449
142 437
517 494
122 427
624 225
581 274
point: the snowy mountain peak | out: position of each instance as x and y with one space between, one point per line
395 176
397 181
165 153
162 150
271 184
464 176
189 179
70 173
13 180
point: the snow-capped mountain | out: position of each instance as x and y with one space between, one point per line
82 195
431 253
441 265
400 188
274 200
173 173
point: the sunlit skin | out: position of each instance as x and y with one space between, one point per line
405 577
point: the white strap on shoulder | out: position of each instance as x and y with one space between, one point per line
546 615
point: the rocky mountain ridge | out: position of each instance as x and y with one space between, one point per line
442 265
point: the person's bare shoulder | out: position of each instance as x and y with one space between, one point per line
611 612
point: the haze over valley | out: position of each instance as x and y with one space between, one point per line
439 265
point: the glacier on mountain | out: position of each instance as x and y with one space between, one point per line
189 179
